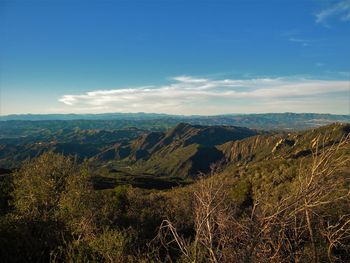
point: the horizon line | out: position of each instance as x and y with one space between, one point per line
170 114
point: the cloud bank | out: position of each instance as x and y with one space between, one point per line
191 95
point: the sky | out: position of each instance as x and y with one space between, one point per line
174 56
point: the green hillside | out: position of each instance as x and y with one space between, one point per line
182 151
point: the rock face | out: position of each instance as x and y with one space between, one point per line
293 145
256 147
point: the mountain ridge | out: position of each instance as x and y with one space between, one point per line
191 147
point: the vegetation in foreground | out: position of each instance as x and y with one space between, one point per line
267 203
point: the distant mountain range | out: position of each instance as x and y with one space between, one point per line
102 116
286 121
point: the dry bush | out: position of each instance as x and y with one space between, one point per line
210 214
298 228
299 219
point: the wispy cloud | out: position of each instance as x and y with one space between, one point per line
191 95
340 9
303 42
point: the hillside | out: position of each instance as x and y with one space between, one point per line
270 190
15 148
181 151
291 145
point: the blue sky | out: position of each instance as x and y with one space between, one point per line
180 56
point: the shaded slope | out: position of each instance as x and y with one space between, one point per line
181 151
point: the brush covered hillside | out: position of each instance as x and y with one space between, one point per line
282 146
187 194
182 151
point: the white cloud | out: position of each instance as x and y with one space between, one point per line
340 9
189 95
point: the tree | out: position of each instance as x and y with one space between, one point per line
40 183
